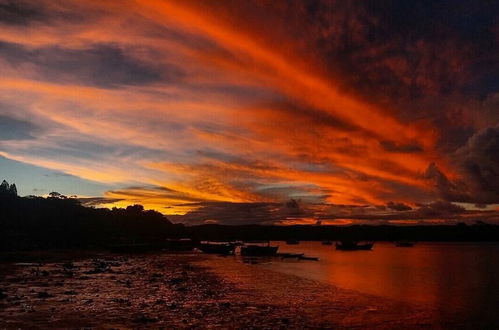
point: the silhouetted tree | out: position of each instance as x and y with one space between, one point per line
57 221
13 189
136 208
55 194
4 187
7 189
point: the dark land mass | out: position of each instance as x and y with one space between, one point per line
460 232
58 222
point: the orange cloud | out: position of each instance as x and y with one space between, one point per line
244 120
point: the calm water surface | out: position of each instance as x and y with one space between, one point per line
459 280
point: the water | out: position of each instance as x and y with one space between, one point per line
458 280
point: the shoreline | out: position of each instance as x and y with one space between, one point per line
154 290
321 305
184 290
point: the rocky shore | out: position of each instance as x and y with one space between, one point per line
179 291
112 291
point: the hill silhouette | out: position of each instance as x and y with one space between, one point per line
57 221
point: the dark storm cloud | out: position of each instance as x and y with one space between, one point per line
398 206
294 212
441 210
97 201
413 45
429 59
438 209
46 13
452 191
478 165
20 12
102 65
16 129
242 213
479 161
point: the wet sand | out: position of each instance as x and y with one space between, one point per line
313 304
183 291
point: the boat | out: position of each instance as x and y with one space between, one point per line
292 242
353 245
309 258
290 255
217 247
258 248
404 243
327 243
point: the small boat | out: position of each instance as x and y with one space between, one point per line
353 245
258 248
404 243
290 255
327 243
292 242
224 248
309 258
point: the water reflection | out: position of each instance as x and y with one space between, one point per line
459 280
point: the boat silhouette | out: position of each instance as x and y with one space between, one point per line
225 248
353 245
258 248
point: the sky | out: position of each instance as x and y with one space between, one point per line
260 111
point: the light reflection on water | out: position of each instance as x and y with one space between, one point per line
454 278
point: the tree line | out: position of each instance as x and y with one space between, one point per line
57 221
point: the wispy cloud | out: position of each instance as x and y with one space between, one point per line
239 103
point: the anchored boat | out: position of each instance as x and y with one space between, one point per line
353 245
258 248
217 247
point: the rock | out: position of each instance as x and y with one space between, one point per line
122 301
3 295
68 265
176 280
145 319
44 294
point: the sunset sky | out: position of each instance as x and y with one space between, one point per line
262 111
